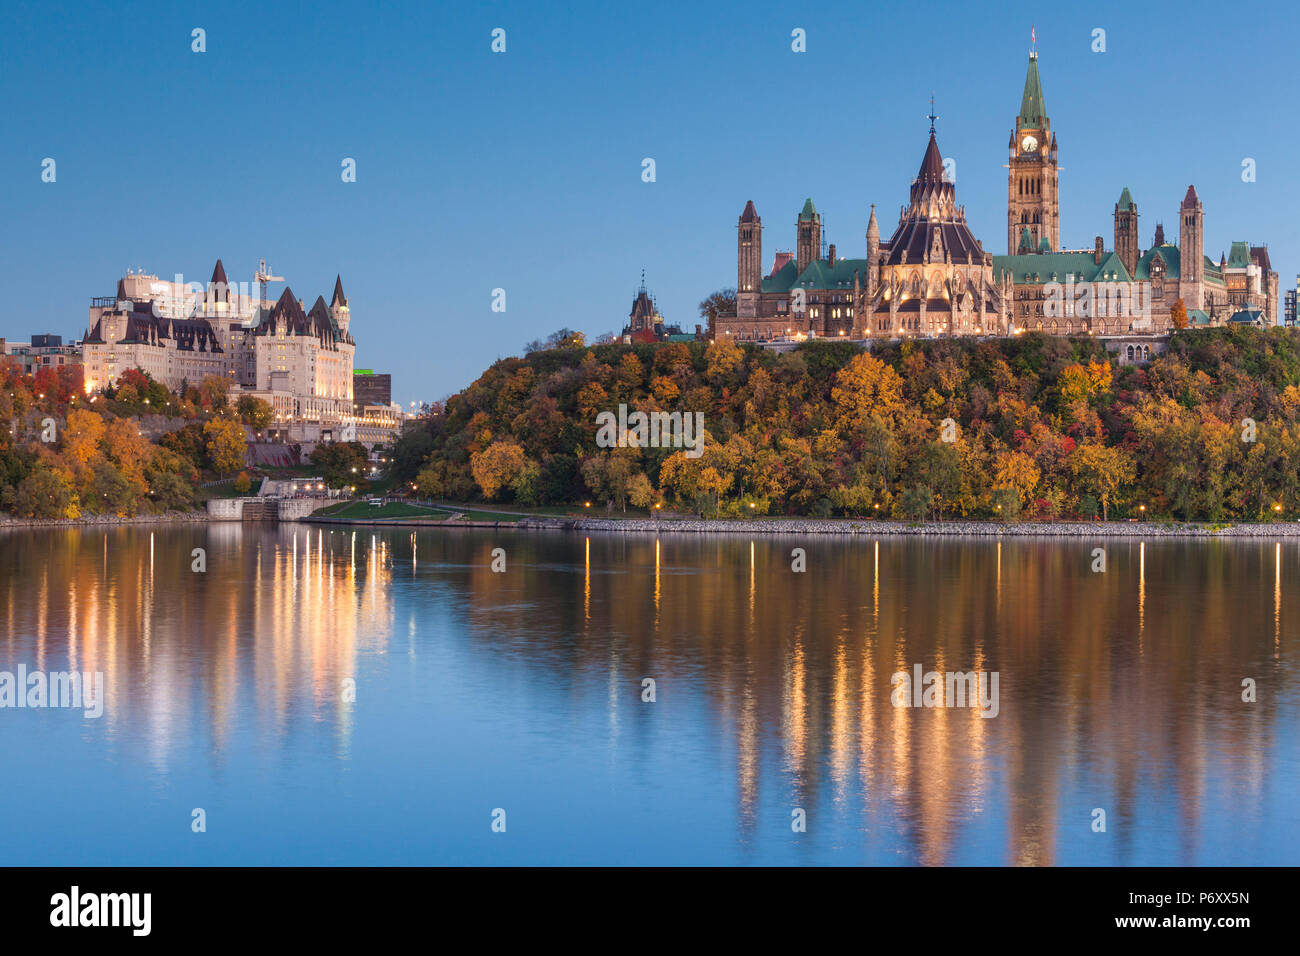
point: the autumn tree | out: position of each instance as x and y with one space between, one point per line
1178 315
496 467
226 444
1101 472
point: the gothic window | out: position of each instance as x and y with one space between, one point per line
916 285
1130 353
1146 353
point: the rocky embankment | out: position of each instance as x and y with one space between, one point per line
96 521
848 526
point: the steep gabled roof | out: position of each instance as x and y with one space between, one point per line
1168 254
820 274
1112 270
339 297
782 279
809 211
1239 255
1191 199
750 214
1125 201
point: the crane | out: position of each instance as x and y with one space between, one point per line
263 277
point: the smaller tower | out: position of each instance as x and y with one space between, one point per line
809 233
749 250
873 253
1191 251
1126 230
216 298
339 306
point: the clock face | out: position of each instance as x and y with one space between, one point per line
1029 144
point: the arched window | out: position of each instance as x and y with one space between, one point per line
1130 353
1146 353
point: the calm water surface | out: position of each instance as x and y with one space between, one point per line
523 691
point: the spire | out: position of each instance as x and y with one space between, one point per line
219 274
750 214
809 211
1033 113
1125 200
1191 199
339 297
873 227
932 116
931 172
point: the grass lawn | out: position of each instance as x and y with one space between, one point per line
362 510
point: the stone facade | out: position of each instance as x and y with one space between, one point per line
932 277
300 361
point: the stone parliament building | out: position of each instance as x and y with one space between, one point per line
932 277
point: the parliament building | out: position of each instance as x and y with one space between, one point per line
933 277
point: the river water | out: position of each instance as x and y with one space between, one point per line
382 696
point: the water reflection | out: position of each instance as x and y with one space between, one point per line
1120 690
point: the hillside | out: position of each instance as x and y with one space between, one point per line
1041 428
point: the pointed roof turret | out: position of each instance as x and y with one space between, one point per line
873 227
809 211
219 274
339 297
1125 201
1191 199
1033 114
751 214
931 172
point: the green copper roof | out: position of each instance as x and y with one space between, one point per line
1041 268
1033 114
1026 241
1168 254
1112 270
809 211
820 274
1044 245
782 279
1197 317
1239 255
1125 200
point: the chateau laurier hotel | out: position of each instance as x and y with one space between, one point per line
933 277
298 360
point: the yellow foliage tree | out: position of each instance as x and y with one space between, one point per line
496 466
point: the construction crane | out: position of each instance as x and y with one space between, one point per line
263 277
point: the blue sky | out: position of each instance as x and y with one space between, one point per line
522 170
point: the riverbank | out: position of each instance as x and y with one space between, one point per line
849 526
103 521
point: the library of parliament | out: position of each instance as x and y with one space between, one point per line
932 277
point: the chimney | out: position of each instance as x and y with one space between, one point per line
832 254
1098 251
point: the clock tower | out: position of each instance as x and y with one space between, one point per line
1032 198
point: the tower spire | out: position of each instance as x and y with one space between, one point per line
932 115
1033 43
